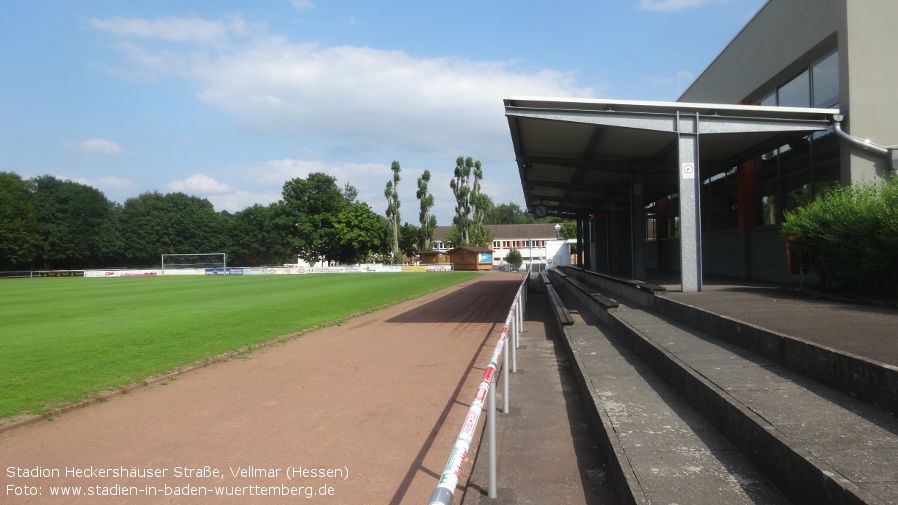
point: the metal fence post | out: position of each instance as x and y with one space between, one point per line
511 344
514 323
505 367
492 488
444 492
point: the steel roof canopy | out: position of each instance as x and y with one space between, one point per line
575 155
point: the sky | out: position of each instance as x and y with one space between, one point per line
226 100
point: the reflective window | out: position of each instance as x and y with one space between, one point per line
650 222
719 202
796 93
769 211
825 76
794 173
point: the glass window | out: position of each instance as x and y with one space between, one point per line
824 146
719 201
826 80
650 222
797 190
768 209
673 219
796 93
793 174
795 156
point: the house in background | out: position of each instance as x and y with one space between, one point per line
539 244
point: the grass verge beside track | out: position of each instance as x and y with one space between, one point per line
64 340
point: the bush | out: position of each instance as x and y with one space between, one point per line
514 257
848 237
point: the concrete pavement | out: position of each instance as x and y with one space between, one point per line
742 393
547 449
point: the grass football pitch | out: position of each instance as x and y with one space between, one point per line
64 340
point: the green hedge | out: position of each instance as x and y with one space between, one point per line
849 237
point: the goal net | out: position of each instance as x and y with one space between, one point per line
191 263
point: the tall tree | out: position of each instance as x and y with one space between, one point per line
19 237
480 203
507 213
259 237
428 222
350 193
461 188
359 233
410 240
471 203
153 224
392 194
74 221
312 205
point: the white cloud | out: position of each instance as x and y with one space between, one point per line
303 5
113 183
193 29
352 110
288 168
672 5
363 99
96 146
239 200
106 183
358 99
368 178
198 184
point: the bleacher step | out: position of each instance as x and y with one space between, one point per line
816 444
666 452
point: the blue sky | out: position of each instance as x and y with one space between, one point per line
226 100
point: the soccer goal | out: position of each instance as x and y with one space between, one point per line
191 262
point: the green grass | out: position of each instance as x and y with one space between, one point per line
64 340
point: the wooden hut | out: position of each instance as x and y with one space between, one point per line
471 258
434 257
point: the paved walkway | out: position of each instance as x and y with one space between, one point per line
547 450
366 412
866 330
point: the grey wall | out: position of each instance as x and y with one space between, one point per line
723 253
781 39
868 59
786 35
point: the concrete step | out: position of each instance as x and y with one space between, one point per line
659 449
815 444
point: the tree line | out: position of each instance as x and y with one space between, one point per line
50 223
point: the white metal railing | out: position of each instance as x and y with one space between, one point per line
445 490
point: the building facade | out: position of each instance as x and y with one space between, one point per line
801 99
834 54
538 243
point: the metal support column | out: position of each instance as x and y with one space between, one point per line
690 205
637 227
